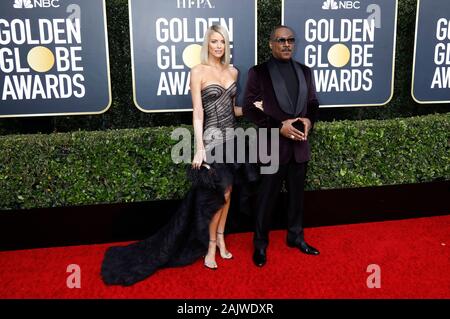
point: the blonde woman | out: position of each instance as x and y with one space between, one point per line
197 228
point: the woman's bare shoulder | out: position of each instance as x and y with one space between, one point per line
199 69
233 69
234 72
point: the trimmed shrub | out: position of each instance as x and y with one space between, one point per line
132 165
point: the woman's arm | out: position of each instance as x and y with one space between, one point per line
252 109
238 109
197 116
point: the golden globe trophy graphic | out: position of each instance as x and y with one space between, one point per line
338 55
191 55
53 58
40 59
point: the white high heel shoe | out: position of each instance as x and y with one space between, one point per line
226 254
210 264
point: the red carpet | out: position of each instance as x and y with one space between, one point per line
413 256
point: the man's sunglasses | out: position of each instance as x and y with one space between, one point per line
284 40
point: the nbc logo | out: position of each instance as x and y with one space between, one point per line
21 4
30 4
346 4
330 5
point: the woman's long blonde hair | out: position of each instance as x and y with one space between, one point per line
205 47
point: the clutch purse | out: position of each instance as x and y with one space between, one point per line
299 126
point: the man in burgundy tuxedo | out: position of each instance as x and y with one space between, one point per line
286 89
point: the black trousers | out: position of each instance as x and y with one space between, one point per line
270 187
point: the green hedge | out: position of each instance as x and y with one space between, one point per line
135 165
375 153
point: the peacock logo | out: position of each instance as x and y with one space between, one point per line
330 5
23 4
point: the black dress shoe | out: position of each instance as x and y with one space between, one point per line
259 257
304 248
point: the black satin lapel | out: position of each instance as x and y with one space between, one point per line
302 90
281 92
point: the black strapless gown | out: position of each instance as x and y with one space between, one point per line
186 236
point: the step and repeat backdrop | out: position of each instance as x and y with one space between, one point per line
53 58
431 70
54 53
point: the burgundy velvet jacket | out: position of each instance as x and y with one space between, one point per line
260 87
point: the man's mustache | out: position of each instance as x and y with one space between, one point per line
286 50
